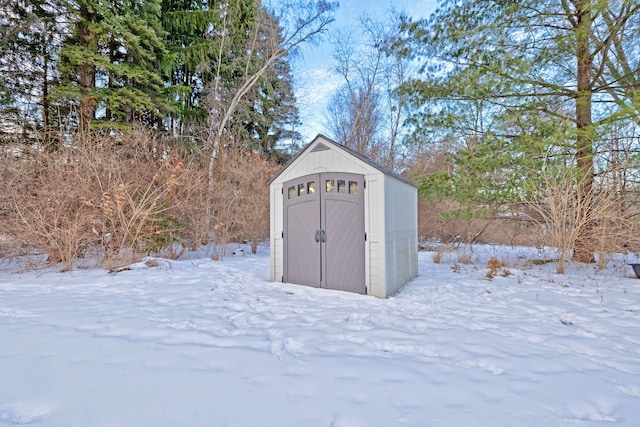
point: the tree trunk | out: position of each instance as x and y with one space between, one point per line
47 141
583 247
86 71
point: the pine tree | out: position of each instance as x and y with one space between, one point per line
268 114
112 63
30 31
203 38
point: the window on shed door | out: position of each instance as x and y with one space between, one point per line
311 187
331 186
301 189
291 192
342 186
353 188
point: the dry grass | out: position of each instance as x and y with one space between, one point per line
441 253
465 257
497 268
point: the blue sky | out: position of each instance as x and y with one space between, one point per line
314 78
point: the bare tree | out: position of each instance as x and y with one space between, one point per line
367 112
395 71
275 35
354 118
353 114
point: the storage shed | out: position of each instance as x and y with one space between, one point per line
341 221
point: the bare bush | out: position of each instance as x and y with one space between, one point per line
616 230
255 224
114 200
241 199
134 190
109 198
465 256
192 203
564 214
45 210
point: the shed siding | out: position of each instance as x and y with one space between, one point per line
275 232
316 162
376 270
400 236
376 236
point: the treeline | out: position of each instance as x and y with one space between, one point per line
186 69
129 127
528 112
520 121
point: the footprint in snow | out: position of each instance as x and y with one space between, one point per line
284 347
21 414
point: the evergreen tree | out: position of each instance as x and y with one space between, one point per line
137 59
112 62
30 32
204 38
271 114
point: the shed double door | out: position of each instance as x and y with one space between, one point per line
323 233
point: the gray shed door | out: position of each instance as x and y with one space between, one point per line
324 238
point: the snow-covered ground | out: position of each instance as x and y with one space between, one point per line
195 342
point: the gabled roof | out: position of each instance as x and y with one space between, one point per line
322 145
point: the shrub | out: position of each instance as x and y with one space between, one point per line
241 199
113 199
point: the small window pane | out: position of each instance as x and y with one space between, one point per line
291 192
301 189
342 186
331 186
353 188
311 187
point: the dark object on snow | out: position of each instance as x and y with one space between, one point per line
636 269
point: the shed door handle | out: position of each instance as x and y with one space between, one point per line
318 235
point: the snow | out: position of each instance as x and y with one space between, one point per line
195 342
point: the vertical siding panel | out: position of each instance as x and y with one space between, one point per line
275 233
374 203
400 233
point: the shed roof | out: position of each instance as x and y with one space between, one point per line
350 151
